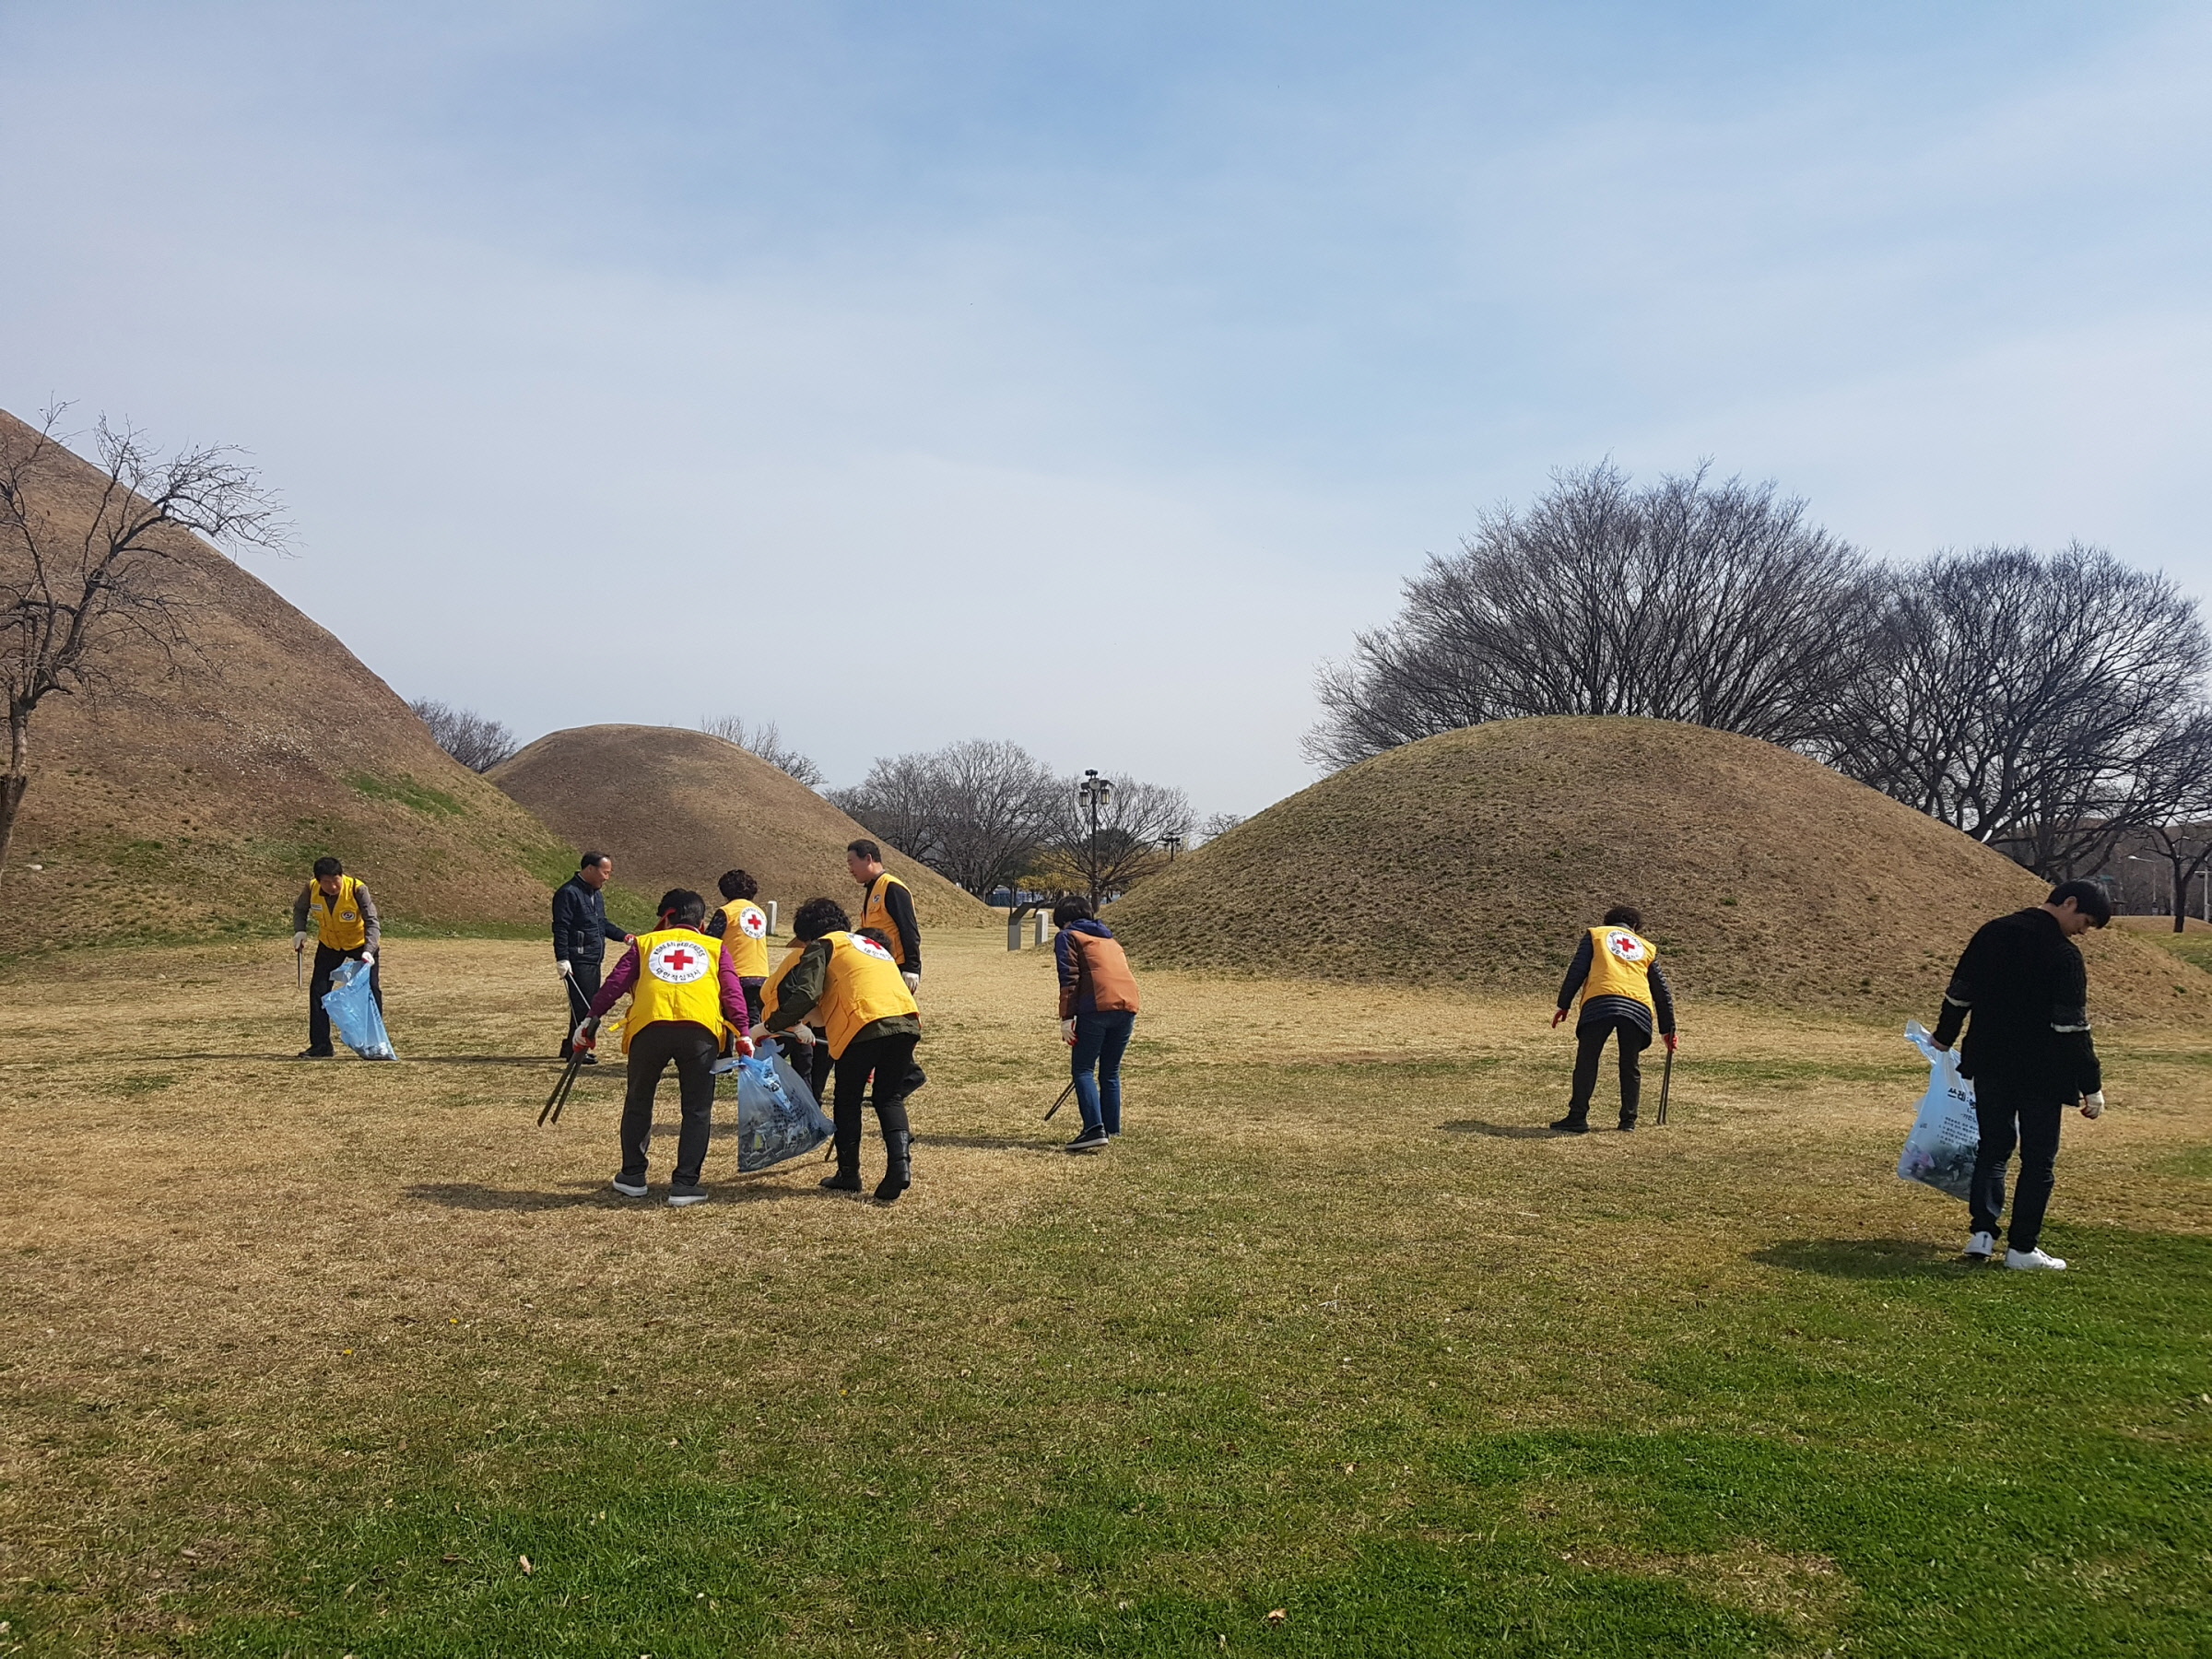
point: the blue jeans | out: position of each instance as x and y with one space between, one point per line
1099 1040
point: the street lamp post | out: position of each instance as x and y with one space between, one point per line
1094 793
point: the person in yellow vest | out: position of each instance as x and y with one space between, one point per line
1615 971
887 904
336 909
684 995
853 987
742 926
808 1049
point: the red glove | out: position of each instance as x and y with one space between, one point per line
1557 1016
744 1048
1670 1040
586 1035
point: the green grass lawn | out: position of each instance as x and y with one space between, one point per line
1332 1354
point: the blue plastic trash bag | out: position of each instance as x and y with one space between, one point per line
351 1006
777 1118
1945 1135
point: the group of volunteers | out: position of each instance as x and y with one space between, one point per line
843 1001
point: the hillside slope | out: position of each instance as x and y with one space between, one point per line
676 809
190 801
1479 854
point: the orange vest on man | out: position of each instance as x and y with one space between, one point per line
875 912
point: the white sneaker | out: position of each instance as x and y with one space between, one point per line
1981 1247
2035 1261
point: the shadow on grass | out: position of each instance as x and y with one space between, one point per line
988 1143
1864 1258
474 1196
1502 1131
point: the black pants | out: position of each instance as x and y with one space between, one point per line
583 986
2012 1117
327 958
887 1059
692 1048
818 1065
1589 1043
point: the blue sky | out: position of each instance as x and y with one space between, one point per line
904 374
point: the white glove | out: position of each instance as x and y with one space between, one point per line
1067 1032
797 1033
563 968
2092 1105
367 958
299 941
913 982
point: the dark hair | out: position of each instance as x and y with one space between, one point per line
591 861
819 916
737 883
864 849
2088 898
877 935
1624 915
683 907
1071 910
327 865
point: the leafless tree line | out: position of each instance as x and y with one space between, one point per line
988 815
764 741
2047 705
475 741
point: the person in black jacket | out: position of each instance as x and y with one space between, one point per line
580 930
2021 991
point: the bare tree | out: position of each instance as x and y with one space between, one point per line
475 741
93 560
2179 778
1717 604
2037 703
764 741
974 812
1129 843
1218 823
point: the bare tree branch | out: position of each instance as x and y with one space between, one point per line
475 741
764 741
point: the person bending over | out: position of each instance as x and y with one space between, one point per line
1615 971
345 928
852 986
2021 991
1097 1010
742 926
683 996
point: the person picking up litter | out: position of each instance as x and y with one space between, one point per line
1097 1011
1616 971
851 985
344 928
684 994
2021 991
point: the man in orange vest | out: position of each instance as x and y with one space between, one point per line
1615 970
684 994
344 928
851 985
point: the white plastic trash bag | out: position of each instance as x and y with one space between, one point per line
352 1003
1945 1135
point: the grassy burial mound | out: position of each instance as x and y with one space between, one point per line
676 809
1477 855
188 800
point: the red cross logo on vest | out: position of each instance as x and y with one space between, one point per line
753 925
678 961
869 947
1626 945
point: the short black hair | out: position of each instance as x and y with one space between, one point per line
819 916
2088 898
591 861
1070 911
1624 915
877 935
327 865
864 849
737 883
683 907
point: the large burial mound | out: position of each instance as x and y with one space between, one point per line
190 800
1479 854
676 808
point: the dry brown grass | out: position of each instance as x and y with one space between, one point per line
1477 857
195 800
676 808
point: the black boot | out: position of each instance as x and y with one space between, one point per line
844 1181
898 1152
1573 1124
847 1120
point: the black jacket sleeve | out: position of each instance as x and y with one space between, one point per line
1663 999
900 904
1577 972
715 926
567 923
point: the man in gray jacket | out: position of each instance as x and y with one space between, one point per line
580 930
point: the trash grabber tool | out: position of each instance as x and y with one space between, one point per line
298 968
1666 1081
559 1096
1061 1101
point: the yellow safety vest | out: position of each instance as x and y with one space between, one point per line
339 921
862 986
745 936
767 991
1621 965
680 978
875 913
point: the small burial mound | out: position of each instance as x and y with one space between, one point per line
1479 854
188 799
676 808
